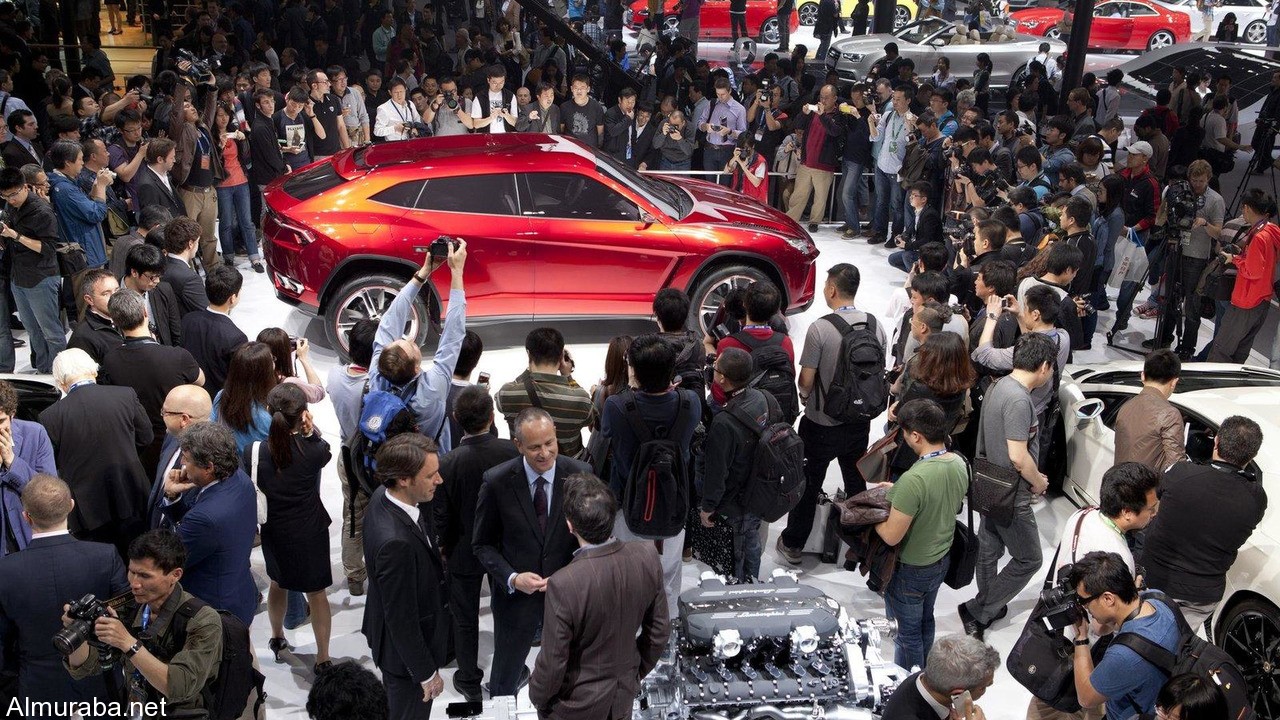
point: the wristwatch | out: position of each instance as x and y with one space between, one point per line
133 649
1080 642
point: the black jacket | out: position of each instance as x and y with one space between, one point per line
906 703
463 472
1084 278
406 615
211 338
926 230
151 191
618 128
186 286
962 281
857 139
166 321
833 147
264 150
829 20
730 449
15 156
95 335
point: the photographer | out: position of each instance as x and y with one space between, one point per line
675 143
1000 155
988 238
857 159
445 115
1255 272
396 117
982 183
748 171
1197 243
157 663
765 119
1264 133
824 129
926 227
79 214
198 165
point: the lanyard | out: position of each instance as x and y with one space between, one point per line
846 308
934 454
1110 523
756 327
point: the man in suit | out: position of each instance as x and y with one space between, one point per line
149 218
217 522
956 664
35 584
25 450
153 184
95 334
96 431
144 268
183 407
22 148
605 622
406 614
520 538
463 471
925 228
209 333
181 240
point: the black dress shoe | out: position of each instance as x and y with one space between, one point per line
875 239
970 623
813 227
470 694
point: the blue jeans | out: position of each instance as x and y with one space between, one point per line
909 599
746 547
903 260
1273 35
41 315
888 208
236 214
296 611
853 191
665 164
714 158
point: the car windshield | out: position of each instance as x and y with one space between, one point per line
1193 381
917 32
670 199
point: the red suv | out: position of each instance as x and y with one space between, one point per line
554 230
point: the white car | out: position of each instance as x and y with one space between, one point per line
1251 17
1247 622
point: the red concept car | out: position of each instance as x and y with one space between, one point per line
714 19
1117 25
554 229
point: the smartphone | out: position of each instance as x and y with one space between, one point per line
1005 303
484 379
463 709
960 701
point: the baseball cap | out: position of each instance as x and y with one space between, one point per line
1142 147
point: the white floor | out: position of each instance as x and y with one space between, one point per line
504 358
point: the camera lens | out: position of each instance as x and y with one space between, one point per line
71 637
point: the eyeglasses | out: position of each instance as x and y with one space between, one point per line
152 276
10 195
168 413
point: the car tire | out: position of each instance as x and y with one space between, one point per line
1239 636
368 297
1255 32
769 34
808 14
708 294
901 16
1161 39
1053 33
1019 77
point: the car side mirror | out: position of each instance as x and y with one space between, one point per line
645 221
1088 411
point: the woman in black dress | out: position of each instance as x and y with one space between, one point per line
295 537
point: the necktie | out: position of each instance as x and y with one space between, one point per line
540 502
424 525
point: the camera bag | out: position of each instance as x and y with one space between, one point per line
963 555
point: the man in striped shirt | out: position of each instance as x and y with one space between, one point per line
548 384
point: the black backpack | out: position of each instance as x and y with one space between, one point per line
858 390
656 498
1195 655
226 696
914 164
691 363
772 371
776 481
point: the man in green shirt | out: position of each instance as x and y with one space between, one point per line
922 519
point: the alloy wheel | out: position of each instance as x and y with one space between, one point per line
808 14
901 16
368 302
1252 639
1256 32
769 32
1162 39
714 297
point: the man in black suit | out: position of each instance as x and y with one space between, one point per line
153 184
97 431
209 333
956 664
95 334
144 268
406 614
463 471
23 148
181 241
926 228
521 539
184 406
35 584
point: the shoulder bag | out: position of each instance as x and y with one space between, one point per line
993 490
963 555
876 465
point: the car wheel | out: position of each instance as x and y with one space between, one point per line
368 297
769 31
1249 635
709 294
671 25
808 14
901 16
1161 39
1019 77
1053 33
1255 32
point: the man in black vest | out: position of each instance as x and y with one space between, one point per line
496 110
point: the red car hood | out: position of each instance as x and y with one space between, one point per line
718 205
1041 14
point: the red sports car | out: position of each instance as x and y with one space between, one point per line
714 19
554 230
1117 25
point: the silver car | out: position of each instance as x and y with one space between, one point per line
924 41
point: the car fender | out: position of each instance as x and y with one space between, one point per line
690 279
366 262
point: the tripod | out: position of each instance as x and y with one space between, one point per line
1259 162
1171 303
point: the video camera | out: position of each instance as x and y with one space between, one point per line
1181 205
84 613
200 69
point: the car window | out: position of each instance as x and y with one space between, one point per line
916 32
569 195
1111 402
1191 381
309 183
403 195
1136 10
1111 9
481 194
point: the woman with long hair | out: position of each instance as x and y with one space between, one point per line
295 537
241 404
283 350
982 81
940 371
617 379
233 192
60 99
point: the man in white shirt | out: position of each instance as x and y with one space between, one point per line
396 116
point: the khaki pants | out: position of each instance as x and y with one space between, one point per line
810 182
203 208
352 547
1041 710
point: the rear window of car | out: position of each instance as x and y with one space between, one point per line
310 183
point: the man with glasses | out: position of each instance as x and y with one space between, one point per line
30 232
144 268
184 406
37 180
1127 683
327 109
127 153
1129 503
355 115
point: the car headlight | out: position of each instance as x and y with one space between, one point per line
803 245
852 56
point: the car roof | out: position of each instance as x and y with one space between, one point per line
501 149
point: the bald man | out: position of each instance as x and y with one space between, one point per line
184 406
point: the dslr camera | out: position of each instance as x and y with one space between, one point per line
199 68
441 246
84 613
450 100
1060 605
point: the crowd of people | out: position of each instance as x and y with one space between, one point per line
179 444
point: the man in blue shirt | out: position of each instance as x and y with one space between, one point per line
80 216
1123 680
397 361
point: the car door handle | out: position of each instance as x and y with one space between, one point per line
530 233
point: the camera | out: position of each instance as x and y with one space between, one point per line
441 246
451 100
1060 605
199 68
1232 249
1181 205
417 129
84 613
720 331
